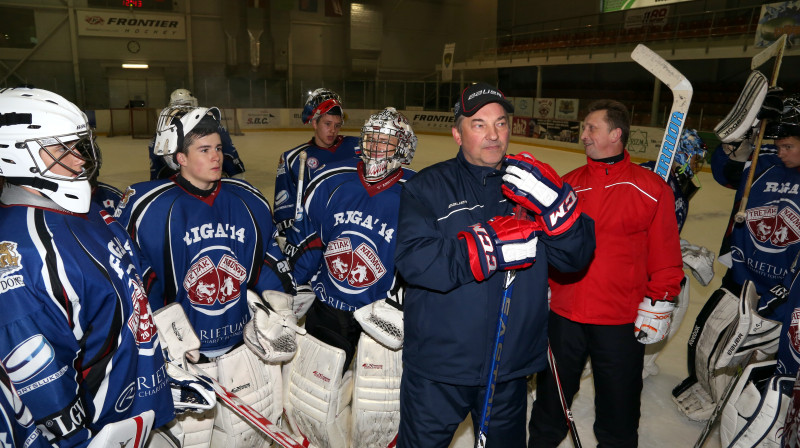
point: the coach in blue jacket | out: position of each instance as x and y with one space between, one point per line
456 234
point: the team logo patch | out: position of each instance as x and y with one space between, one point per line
312 163
124 201
28 358
281 197
10 262
360 267
206 283
140 323
768 224
794 332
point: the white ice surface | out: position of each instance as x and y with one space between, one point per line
125 161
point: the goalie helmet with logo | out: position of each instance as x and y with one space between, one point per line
175 123
689 159
320 102
46 145
788 123
387 142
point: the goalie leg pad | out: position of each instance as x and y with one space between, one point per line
751 332
765 428
376 395
744 400
318 397
198 427
168 436
258 384
743 115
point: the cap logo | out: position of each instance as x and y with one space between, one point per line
484 92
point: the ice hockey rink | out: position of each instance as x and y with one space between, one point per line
125 161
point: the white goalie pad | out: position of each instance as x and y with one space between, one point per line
699 261
134 430
176 334
791 434
743 115
318 397
652 351
744 399
257 384
376 395
382 321
758 416
167 436
751 331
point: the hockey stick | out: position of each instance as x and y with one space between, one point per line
246 412
505 305
776 49
681 98
573 430
298 206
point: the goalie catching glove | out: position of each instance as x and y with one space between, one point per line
383 319
270 334
504 243
653 320
537 187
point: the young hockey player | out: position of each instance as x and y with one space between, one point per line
345 247
455 237
78 339
623 299
210 240
163 168
323 109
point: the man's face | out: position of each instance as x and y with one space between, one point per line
62 159
202 163
789 151
326 129
483 137
599 140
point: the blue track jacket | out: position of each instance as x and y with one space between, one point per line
451 319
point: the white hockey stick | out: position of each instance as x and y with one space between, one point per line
246 412
298 206
776 50
681 98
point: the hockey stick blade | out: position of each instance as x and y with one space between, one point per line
246 412
681 98
766 54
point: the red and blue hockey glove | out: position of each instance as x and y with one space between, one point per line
503 243
653 320
537 187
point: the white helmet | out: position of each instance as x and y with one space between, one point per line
182 97
380 158
173 125
34 122
321 101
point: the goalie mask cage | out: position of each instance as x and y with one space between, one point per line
135 122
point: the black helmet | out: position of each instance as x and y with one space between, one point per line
788 123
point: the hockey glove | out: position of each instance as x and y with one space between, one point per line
653 320
303 298
739 151
270 334
383 321
538 188
176 334
503 243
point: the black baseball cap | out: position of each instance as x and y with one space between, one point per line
477 95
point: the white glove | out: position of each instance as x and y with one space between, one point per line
302 301
270 334
176 334
652 323
739 151
699 260
383 322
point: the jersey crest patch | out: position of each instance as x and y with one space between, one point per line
312 163
10 262
794 333
361 267
123 202
140 323
206 283
767 224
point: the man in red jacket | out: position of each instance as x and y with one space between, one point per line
623 298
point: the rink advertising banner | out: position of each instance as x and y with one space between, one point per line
259 118
777 19
644 142
544 108
125 24
649 17
566 109
621 5
554 129
447 62
430 121
523 106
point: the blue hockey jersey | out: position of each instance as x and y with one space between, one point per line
763 247
346 239
206 252
105 197
345 148
76 334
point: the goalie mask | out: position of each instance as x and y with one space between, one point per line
689 159
174 124
387 141
788 124
46 144
182 97
320 102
